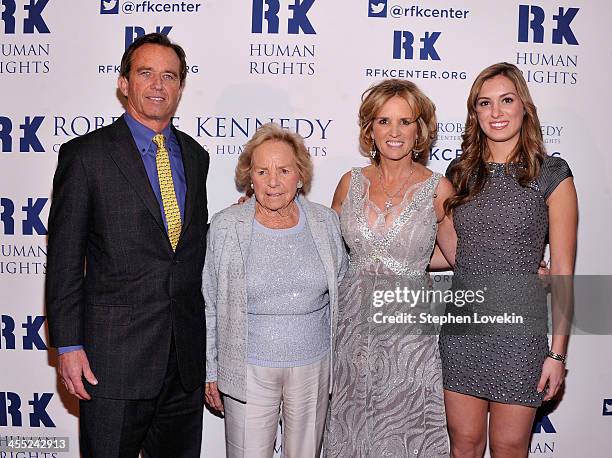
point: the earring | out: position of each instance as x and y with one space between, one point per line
300 184
373 152
415 154
252 187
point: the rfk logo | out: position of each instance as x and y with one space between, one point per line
11 408
403 45
543 425
532 17
298 21
133 32
33 21
30 222
31 338
28 140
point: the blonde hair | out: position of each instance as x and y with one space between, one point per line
274 132
422 107
470 173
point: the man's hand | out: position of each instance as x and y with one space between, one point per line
212 396
72 367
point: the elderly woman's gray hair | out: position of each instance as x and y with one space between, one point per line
274 132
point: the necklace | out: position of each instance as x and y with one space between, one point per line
390 197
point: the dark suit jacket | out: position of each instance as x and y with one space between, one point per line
114 284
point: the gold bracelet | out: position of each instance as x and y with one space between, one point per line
557 356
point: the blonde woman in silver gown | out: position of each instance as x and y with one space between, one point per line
387 397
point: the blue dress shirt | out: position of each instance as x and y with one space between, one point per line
143 137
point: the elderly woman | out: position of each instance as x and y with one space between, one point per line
270 285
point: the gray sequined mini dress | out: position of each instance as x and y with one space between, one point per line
501 239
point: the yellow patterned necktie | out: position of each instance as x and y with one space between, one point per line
166 186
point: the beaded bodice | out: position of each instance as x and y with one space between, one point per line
400 239
503 229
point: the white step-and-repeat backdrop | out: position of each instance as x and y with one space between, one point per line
303 64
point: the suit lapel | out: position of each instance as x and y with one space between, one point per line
125 154
193 184
318 230
244 227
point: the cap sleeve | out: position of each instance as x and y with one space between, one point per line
554 170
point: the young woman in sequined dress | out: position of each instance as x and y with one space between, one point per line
510 199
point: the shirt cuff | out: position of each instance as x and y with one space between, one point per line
62 350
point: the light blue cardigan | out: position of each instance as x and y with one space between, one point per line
224 286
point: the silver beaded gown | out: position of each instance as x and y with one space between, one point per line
387 398
501 238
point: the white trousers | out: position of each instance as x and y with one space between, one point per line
298 395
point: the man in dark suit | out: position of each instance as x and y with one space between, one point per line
127 232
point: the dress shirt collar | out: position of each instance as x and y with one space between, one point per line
143 136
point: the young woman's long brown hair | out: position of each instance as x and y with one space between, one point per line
469 174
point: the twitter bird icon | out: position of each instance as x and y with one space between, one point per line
109 6
607 407
377 8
